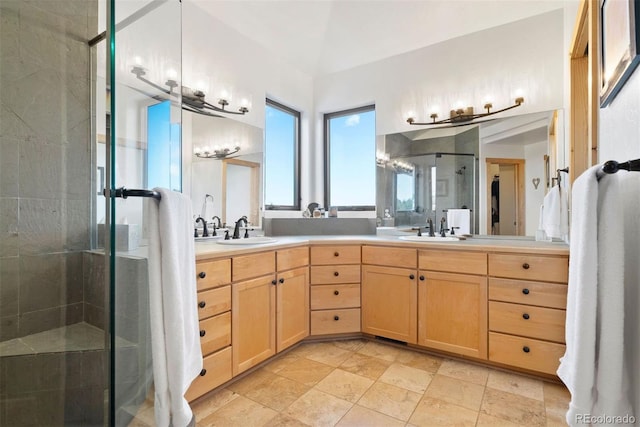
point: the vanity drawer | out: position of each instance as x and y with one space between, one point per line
453 261
248 266
551 295
343 254
392 257
210 274
335 296
287 259
527 353
335 321
214 301
215 332
530 267
216 370
527 320
327 274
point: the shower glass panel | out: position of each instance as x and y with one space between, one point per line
145 66
453 185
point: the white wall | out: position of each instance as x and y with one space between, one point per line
619 139
527 55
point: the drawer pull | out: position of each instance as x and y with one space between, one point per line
525 291
203 332
273 282
525 316
202 304
281 280
421 277
412 276
336 318
202 275
203 372
335 273
336 292
336 254
526 349
525 266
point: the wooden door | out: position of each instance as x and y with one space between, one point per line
292 307
452 313
389 305
253 322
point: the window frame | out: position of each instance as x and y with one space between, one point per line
327 152
296 156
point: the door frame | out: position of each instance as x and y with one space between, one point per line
254 192
518 165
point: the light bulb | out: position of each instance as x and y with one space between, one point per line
172 74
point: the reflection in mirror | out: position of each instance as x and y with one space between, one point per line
235 181
454 168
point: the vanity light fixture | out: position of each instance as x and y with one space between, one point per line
461 116
192 99
216 153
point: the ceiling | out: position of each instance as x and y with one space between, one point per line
325 36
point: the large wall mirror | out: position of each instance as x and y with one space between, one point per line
234 182
499 170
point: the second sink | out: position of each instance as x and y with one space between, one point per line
429 239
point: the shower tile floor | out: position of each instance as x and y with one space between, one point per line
366 383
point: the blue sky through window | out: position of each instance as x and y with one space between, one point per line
352 163
280 137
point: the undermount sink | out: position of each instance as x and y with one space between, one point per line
429 238
257 240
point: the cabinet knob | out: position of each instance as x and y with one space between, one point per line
526 349
273 282
336 254
525 316
421 277
525 291
335 273
203 372
203 333
202 304
336 292
336 317
202 275
281 280
412 276
525 266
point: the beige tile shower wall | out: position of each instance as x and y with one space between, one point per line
45 162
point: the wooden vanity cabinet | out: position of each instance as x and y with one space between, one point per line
214 311
292 296
527 303
389 294
452 307
335 289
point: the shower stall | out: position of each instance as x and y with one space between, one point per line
426 186
74 330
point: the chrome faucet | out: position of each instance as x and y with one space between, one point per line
205 231
213 221
236 230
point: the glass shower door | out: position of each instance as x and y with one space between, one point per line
143 151
453 186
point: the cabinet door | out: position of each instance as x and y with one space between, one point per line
452 313
253 325
292 307
389 304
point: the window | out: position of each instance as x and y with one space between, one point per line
405 191
282 157
350 162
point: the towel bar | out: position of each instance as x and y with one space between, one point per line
612 166
124 193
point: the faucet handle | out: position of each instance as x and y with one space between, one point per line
452 230
226 234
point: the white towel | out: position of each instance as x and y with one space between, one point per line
555 213
459 218
175 340
593 366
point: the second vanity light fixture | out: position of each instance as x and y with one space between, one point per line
192 99
216 152
464 115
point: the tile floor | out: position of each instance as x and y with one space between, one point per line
367 383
